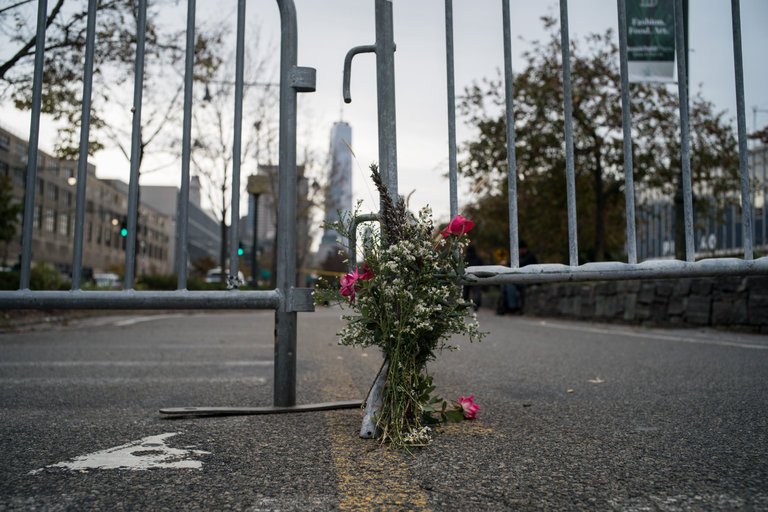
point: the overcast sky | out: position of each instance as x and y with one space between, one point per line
328 28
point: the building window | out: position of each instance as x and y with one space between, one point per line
5 141
53 192
70 198
40 187
49 220
4 169
36 218
19 174
63 224
90 232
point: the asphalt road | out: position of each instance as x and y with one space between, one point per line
574 417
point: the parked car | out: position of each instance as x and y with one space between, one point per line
107 280
214 275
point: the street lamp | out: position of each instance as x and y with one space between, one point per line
257 184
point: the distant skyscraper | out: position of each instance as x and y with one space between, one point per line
338 196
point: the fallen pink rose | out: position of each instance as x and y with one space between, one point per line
469 407
458 226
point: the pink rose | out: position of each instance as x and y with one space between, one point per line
458 226
468 406
349 281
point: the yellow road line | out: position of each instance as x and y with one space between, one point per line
369 475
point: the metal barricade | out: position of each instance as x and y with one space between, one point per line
540 273
286 299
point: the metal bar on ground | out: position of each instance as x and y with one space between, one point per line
570 172
509 101
626 117
450 78
136 150
746 198
131 299
82 162
182 210
682 87
234 234
34 133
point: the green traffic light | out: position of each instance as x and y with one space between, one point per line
240 251
124 232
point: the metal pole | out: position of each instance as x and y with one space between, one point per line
34 132
452 167
682 86
255 271
82 161
183 206
509 97
385 88
136 149
626 121
292 80
234 235
746 199
570 172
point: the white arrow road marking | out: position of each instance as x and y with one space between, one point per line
147 453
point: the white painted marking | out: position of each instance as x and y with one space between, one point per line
146 453
140 319
653 336
129 364
125 381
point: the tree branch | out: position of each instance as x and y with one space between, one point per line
23 52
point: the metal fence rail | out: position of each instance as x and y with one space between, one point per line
286 299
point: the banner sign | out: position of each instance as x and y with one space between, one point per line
651 40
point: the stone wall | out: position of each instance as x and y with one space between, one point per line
733 302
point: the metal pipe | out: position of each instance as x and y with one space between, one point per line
626 121
385 89
509 97
682 87
82 161
34 132
136 149
234 234
356 221
131 299
285 321
746 199
347 76
449 71
570 172
614 270
186 143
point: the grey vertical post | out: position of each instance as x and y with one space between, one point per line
234 235
34 132
509 100
570 172
136 149
685 156
183 206
452 171
746 199
285 320
626 121
82 162
385 89
765 196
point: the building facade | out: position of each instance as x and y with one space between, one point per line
54 216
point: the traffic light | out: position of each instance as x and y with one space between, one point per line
124 227
240 250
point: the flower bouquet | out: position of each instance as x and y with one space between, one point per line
406 299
